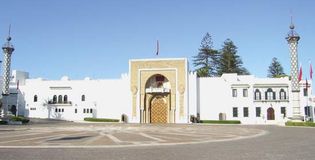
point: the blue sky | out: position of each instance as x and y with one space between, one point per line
96 38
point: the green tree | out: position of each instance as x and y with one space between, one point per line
206 62
275 69
230 62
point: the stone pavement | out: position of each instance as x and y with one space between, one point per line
105 135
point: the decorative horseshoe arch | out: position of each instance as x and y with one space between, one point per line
150 79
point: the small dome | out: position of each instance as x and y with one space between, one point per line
9 38
292 26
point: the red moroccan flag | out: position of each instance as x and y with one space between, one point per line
300 74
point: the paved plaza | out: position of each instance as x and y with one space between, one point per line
171 141
90 135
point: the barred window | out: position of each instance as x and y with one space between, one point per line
283 111
257 95
245 111
245 93
234 92
65 99
55 99
258 111
235 112
282 94
270 95
35 98
60 99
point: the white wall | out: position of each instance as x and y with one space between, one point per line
107 98
110 98
192 94
214 98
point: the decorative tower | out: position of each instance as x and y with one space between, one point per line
7 51
293 39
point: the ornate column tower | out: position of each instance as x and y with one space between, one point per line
293 39
7 51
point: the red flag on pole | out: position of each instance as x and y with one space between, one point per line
300 74
311 71
157 47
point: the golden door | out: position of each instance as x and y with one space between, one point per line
158 110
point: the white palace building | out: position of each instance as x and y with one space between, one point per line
164 91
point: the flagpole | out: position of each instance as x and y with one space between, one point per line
17 103
311 75
306 84
17 99
157 48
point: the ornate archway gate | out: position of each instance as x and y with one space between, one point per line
146 82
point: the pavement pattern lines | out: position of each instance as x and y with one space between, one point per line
119 135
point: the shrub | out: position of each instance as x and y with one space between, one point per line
221 121
101 120
307 124
20 118
3 122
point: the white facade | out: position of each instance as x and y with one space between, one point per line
76 99
229 97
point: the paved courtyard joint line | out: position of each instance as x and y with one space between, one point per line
119 135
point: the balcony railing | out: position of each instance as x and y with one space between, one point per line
271 100
157 90
60 103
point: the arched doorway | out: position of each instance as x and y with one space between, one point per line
270 114
157 101
159 110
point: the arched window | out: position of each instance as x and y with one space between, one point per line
257 94
270 95
65 99
35 98
282 94
83 97
54 99
60 99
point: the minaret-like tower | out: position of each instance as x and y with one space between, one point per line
293 39
7 51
